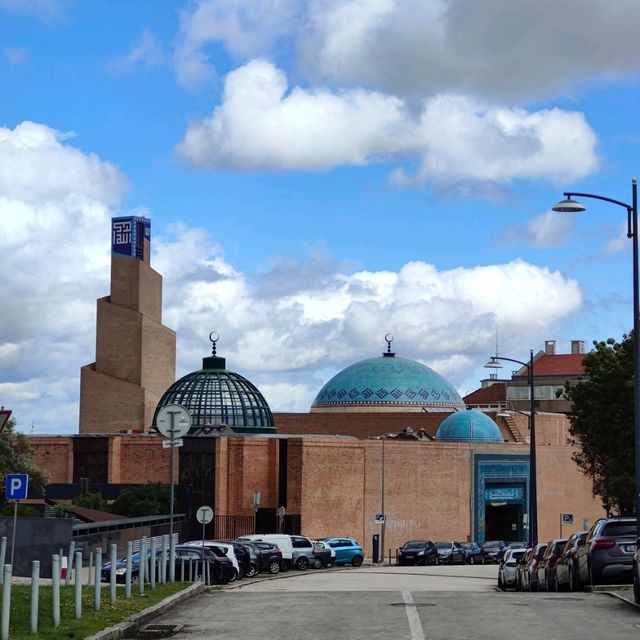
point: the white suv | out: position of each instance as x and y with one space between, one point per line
297 551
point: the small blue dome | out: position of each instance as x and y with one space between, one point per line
387 380
469 425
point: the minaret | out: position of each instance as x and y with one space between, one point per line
135 354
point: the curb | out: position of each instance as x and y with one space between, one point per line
126 626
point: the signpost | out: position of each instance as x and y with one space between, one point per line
173 422
16 489
204 515
565 518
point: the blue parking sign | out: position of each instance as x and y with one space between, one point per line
17 485
567 518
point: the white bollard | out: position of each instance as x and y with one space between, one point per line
112 581
35 593
142 565
152 565
55 589
98 580
3 553
77 591
127 577
6 602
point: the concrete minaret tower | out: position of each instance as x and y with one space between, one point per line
135 354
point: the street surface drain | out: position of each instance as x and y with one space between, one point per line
159 630
413 604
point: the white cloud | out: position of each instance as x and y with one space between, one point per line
245 27
147 51
493 49
261 124
549 229
15 55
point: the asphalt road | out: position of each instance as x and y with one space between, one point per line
397 603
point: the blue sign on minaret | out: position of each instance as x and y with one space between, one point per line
128 235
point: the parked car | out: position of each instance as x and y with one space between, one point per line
297 551
608 551
221 549
325 554
268 557
493 550
565 573
348 550
473 553
529 575
450 552
547 566
508 566
636 576
418 552
522 570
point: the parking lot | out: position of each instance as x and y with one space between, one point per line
417 603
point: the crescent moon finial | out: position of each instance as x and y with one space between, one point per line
389 338
214 336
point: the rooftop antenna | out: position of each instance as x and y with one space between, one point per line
33 426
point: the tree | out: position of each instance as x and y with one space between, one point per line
149 499
16 456
602 423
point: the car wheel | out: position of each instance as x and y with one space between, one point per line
357 561
302 563
573 583
636 585
233 576
251 571
274 567
241 573
500 583
317 563
286 565
135 578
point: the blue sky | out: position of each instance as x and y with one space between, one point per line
318 174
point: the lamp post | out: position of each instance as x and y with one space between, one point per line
569 205
494 363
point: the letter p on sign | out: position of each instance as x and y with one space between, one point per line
17 485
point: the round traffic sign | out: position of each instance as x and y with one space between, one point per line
173 421
204 515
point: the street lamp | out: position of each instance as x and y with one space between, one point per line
494 363
569 205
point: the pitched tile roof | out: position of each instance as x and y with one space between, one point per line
497 392
567 364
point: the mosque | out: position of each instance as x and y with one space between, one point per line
387 448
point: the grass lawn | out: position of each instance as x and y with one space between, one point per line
91 621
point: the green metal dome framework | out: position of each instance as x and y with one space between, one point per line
217 398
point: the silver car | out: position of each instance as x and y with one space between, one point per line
507 568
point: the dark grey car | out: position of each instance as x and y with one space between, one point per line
565 575
607 554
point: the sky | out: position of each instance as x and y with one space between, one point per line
318 173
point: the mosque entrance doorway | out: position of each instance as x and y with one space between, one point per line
503 522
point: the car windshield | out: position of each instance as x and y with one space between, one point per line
443 545
414 544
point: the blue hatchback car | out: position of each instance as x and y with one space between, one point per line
348 551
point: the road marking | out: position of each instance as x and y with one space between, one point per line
415 626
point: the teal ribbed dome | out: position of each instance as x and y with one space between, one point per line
469 425
387 380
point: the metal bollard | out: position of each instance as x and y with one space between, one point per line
35 593
127 577
172 559
163 569
97 580
77 591
6 602
141 565
152 565
3 553
90 576
190 570
67 578
182 569
55 589
112 580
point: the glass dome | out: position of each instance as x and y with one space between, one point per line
469 425
389 381
217 399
